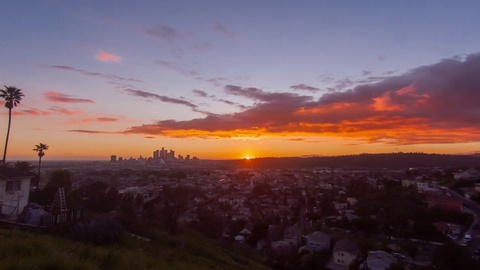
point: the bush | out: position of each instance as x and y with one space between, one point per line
98 231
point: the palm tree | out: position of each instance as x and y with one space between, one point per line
23 166
12 97
40 148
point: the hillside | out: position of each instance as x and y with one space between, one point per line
389 160
27 250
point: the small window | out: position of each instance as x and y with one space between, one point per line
13 186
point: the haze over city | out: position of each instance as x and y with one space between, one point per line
237 79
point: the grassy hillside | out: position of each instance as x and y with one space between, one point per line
26 250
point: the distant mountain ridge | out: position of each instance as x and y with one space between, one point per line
387 160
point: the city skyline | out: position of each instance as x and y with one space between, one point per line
229 80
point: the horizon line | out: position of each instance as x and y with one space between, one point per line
107 159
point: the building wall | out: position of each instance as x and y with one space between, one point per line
343 258
13 202
317 244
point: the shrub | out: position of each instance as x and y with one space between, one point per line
98 231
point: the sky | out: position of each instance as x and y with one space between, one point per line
236 79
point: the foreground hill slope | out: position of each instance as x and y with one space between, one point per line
27 250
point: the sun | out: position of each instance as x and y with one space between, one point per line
247 157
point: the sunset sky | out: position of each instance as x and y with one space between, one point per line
230 79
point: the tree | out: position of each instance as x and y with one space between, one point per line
23 166
175 202
452 256
58 179
259 232
12 97
209 223
96 197
40 149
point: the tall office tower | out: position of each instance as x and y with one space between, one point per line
172 154
113 158
162 153
154 154
187 157
180 157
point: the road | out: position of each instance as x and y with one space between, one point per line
474 230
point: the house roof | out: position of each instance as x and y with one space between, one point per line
9 173
380 259
318 236
346 245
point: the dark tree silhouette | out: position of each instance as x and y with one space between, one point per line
452 256
209 223
58 179
175 202
23 166
96 197
40 149
12 97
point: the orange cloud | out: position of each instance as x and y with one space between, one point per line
385 103
108 57
106 119
430 104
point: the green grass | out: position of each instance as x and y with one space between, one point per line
26 250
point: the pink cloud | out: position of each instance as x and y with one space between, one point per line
51 111
91 131
163 32
98 119
59 97
108 57
61 110
177 68
305 87
32 112
150 96
93 74
106 119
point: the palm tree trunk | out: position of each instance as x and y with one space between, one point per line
39 164
8 134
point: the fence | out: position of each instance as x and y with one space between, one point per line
59 218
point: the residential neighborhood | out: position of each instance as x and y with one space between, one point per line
340 218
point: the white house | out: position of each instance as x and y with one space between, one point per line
470 174
352 201
14 191
345 252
